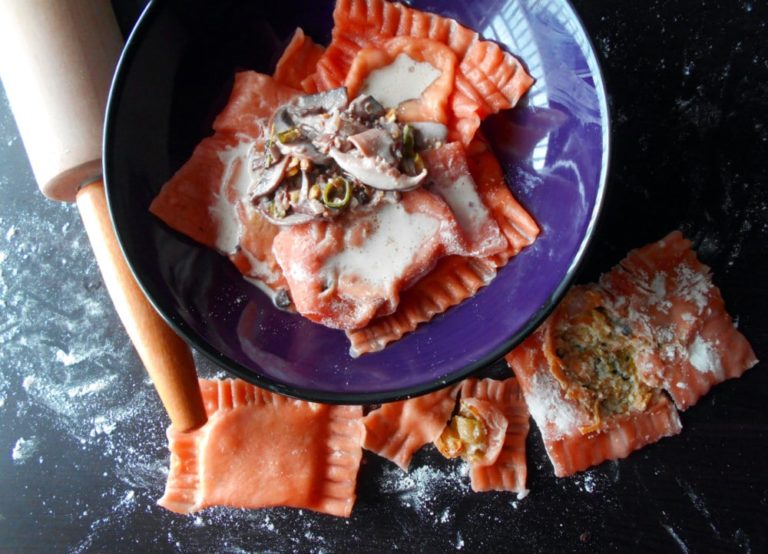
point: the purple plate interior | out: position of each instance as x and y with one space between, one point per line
175 75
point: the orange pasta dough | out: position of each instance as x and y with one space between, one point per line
432 104
672 303
238 458
456 278
203 201
487 79
298 60
596 374
490 431
588 416
348 254
398 429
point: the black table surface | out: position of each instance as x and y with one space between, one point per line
83 455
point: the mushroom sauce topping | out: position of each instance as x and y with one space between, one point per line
326 156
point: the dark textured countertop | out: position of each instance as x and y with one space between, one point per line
82 444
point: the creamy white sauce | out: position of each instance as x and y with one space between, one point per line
235 160
260 269
387 251
263 287
472 215
404 79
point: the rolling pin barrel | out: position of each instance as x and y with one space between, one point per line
56 61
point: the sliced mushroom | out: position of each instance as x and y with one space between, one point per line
271 156
266 179
290 219
282 120
311 207
366 108
304 150
349 126
375 142
376 175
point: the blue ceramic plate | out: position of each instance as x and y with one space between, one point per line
174 77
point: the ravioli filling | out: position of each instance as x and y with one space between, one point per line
476 433
597 367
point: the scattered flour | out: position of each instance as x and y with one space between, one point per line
693 286
659 287
23 449
75 357
676 537
555 417
589 481
421 488
90 387
102 426
703 356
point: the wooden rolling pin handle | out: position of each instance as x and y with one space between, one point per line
166 357
56 60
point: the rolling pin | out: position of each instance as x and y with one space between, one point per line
57 58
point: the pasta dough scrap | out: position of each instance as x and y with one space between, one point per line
397 430
259 449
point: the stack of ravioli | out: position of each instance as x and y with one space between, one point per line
481 224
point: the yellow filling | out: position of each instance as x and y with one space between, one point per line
465 435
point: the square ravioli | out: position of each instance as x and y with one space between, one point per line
581 385
597 373
238 458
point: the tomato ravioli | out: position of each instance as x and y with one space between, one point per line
602 377
598 375
352 201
